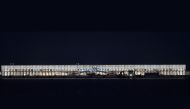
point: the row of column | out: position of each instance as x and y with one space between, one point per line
101 67
36 73
66 73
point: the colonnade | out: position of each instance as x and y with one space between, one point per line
66 70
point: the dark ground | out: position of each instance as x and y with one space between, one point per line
113 93
95 87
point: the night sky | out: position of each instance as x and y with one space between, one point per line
96 47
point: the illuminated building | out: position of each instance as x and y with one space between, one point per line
86 70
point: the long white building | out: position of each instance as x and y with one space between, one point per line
84 70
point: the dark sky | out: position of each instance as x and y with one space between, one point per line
95 34
95 47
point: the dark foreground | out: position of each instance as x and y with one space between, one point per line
94 93
95 87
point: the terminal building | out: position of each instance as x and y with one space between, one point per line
91 70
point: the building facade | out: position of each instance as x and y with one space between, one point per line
84 70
